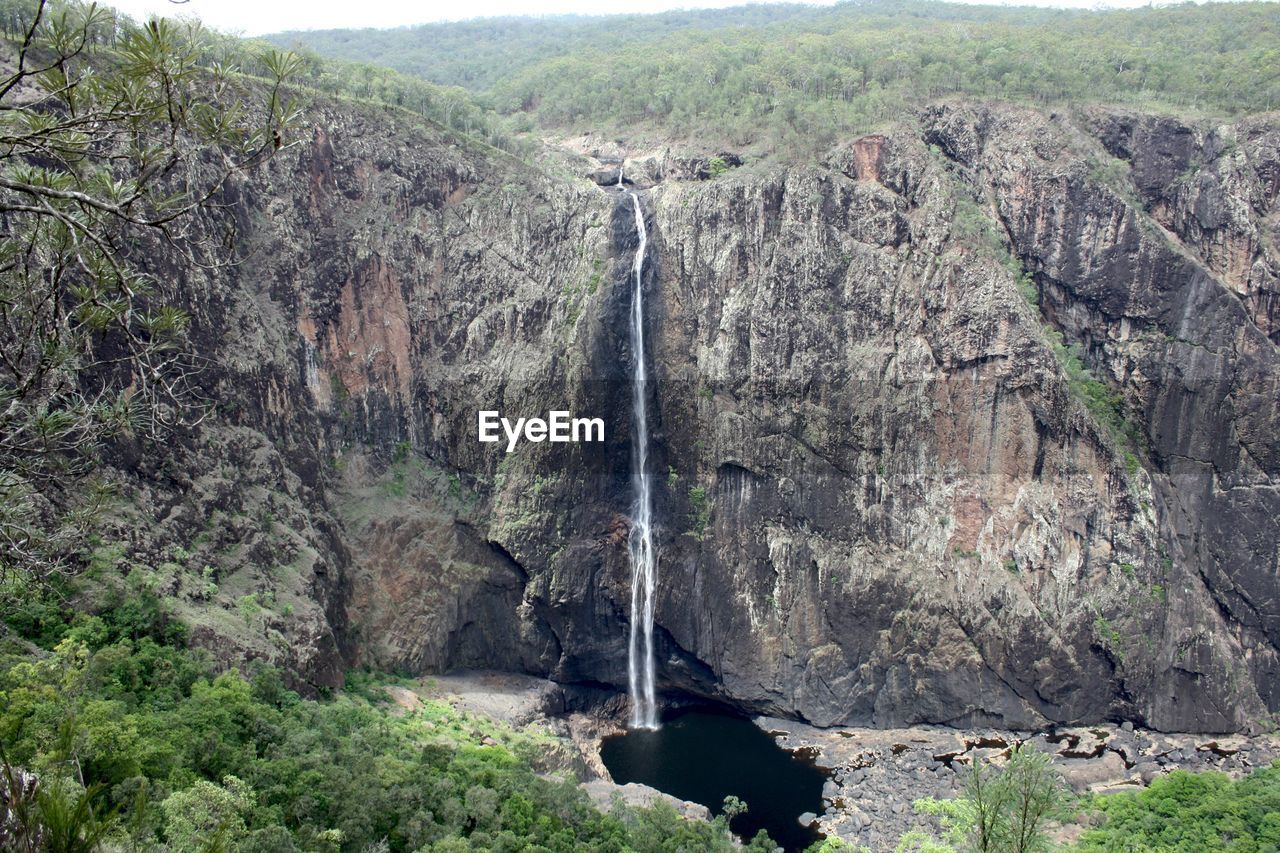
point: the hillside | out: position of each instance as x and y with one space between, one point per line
803 76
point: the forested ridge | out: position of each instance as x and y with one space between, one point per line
807 75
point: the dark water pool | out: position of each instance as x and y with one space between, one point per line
705 756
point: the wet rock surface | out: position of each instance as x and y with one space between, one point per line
878 773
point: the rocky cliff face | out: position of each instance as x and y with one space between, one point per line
883 497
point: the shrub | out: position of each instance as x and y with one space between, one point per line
1002 810
1190 812
701 511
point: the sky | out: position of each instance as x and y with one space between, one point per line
255 17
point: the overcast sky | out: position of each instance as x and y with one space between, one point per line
255 17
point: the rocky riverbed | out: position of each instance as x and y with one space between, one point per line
876 774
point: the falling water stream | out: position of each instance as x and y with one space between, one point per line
644 557
700 755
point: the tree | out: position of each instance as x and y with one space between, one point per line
1036 795
207 816
733 806
1002 810
1191 811
114 139
56 815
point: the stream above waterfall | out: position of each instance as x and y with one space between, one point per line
704 756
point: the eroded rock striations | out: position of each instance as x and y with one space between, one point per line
888 493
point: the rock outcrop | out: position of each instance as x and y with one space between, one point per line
884 498
877 775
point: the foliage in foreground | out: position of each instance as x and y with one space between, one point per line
116 139
1011 810
1002 810
139 741
1191 812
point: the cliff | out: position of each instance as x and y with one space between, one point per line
891 492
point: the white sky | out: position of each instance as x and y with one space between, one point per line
255 17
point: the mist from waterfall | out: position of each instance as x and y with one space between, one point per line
640 543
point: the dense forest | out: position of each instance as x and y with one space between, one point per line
805 75
138 740
311 74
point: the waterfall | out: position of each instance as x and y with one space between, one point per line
640 543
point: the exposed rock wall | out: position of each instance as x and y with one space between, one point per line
881 500
1157 295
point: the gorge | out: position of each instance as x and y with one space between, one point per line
901 515
906 516
823 410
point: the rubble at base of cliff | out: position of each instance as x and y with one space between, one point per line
877 774
874 775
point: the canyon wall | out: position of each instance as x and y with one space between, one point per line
972 422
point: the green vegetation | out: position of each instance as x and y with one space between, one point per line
114 136
1027 287
138 741
701 511
1108 636
1011 809
1191 812
1106 406
448 106
1114 173
114 734
805 76
1003 809
971 224
597 272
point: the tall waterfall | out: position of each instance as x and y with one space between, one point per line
644 557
